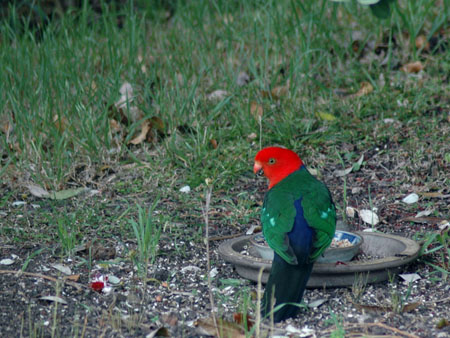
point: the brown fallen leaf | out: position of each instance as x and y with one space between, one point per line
213 143
355 46
158 124
256 110
73 278
170 319
6 127
277 92
366 88
252 136
240 319
422 42
60 122
145 127
410 307
97 251
114 125
412 67
225 329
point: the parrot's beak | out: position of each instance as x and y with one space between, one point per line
257 169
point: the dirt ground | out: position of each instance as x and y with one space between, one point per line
176 295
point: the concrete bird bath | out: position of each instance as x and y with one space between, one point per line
391 252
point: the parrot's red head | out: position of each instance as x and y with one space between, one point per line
276 163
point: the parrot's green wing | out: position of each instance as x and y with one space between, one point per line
278 216
320 213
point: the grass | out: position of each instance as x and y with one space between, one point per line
147 233
58 91
69 121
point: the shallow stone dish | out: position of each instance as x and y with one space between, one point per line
390 254
331 255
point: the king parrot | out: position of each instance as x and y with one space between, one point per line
298 218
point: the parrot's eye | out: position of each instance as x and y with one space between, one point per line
272 161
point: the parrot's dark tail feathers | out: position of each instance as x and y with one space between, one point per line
286 284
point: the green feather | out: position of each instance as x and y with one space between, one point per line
278 213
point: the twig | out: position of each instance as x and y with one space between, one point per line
38 275
444 300
83 331
258 304
208 260
387 327
260 132
219 238
381 325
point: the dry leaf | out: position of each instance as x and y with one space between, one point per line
158 124
6 127
224 328
410 277
213 143
128 112
325 116
6 261
67 193
316 303
411 198
350 212
37 191
217 95
368 216
252 136
413 67
304 332
60 123
366 88
114 125
126 95
313 171
242 79
410 307
62 268
423 213
170 319
73 278
145 127
422 43
280 91
256 110
54 299
186 189
340 173
240 319
97 251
